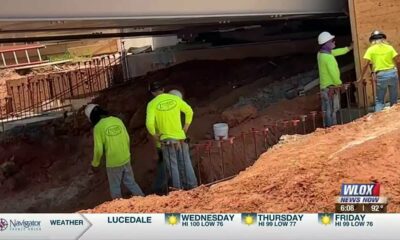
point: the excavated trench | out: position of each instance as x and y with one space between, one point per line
45 168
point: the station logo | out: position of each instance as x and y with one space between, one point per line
3 224
325 218
172 218
249 218
361 198
361 194
365 190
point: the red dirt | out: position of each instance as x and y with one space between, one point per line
302 174
53 163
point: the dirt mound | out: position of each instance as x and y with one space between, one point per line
302 174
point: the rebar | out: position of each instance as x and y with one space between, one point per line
314 115
295 123
347 89
198 160
373 90
221 152
254 133
303 122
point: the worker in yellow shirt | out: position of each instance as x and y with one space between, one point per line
329 75
164 114
112 140
381 57
161 180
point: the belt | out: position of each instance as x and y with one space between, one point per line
386 70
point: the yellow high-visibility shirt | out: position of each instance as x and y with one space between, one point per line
329 72
164 114
381 56
110 136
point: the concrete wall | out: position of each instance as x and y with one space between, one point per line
138 42
164 41
154 42
143 63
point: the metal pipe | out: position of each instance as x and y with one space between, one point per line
358 97
198 160
232 142
1 116
27 56
221 152
314 114
40 56
80 80
373 90
295 123
88 79
243 136
339 90
254 133
15 57
265 134
23 106
286 127
365 96
208 148
4 59
303 122
347 89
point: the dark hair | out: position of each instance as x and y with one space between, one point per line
97 114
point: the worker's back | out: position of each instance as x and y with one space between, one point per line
111 136
382 56
164 113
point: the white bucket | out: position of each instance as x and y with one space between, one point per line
221 130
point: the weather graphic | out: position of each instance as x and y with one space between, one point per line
249 218
172 218
325 218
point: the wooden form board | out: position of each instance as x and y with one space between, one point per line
367 16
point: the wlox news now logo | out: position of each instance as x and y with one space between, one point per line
360 193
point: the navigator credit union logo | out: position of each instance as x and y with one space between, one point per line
3 224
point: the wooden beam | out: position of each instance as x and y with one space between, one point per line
367 16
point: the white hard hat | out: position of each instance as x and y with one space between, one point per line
176 93
325 37
89 108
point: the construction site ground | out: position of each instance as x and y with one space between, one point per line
301 174
45 168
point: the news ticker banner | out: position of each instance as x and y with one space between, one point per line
200 226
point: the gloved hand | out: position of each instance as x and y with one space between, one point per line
93 170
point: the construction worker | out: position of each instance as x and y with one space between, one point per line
329 74
381 56
164 114
111 138
161 182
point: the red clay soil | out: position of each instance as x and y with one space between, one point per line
52 161
301 174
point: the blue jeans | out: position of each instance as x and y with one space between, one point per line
124 174
178 164
161 181
384 80
330 107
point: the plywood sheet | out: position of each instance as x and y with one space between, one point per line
367 16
